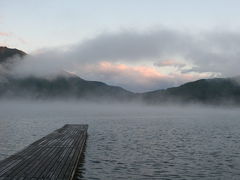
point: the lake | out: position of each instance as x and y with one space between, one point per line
131 141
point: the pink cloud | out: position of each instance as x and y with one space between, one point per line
135 78
4 34
143 71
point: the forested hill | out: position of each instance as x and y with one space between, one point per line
209 91
6 53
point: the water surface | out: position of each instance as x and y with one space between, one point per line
133 141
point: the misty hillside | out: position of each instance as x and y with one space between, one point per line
209 91
6 53
64 85
61 87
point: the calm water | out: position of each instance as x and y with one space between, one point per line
133 141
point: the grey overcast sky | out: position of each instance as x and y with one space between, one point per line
138 44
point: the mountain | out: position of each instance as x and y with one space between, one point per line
6 53
206 91
63 85
66 85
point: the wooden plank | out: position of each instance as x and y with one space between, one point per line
65 173
55 156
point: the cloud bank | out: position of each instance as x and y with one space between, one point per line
142 61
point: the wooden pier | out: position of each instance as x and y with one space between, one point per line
55 156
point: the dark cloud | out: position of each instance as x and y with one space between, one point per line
130 45
209 51
213 52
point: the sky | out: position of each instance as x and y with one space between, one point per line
141 45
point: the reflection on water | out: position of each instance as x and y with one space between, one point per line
134 142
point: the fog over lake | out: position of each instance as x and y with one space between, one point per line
132 141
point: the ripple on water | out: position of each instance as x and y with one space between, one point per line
135 142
